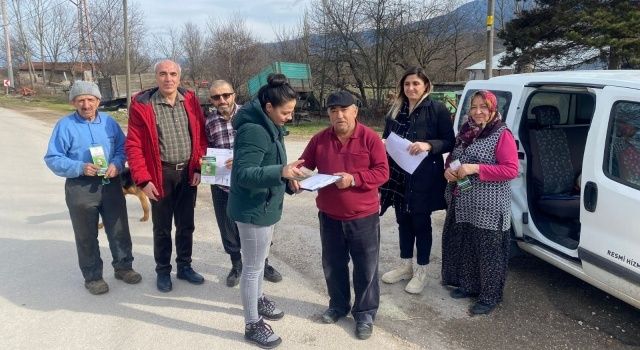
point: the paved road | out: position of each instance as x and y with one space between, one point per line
44 304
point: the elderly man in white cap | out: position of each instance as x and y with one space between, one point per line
87 148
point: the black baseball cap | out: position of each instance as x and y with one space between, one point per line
340 98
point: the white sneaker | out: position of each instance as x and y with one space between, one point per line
416 285
402 272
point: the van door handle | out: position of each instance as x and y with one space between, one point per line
590 196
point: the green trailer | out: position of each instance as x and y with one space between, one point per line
298 74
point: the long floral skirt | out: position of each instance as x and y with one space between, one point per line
475 259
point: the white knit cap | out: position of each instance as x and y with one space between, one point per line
81 87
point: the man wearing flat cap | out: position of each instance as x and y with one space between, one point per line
87 148
348 210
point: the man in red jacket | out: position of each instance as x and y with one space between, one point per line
349 210
165 142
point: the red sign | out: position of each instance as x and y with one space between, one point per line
7 82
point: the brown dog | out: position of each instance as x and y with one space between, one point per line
129 187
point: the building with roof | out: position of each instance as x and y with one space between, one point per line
58 72
578 59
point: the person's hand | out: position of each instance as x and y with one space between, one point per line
112 171
294 186
418 147
468 169
90 169
345 181
228 163
292 170
150 190
450 175
196 179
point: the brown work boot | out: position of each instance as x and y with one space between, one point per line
97 287
128 276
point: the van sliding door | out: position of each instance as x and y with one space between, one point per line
610 200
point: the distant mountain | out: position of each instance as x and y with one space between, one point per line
475 12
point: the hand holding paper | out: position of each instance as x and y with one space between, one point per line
216 166
398 149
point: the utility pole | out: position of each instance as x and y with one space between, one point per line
489 67
7 42
127 63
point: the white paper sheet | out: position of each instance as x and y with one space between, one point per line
318 181
223 175
397 149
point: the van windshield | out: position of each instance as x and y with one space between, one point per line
504 101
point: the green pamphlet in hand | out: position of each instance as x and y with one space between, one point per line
208 167
99 159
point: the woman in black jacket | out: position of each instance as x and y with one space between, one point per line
427 124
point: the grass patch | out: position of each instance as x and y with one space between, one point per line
121 116
307 129
54 103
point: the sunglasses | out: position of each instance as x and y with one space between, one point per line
225 96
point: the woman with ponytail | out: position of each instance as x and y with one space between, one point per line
256 196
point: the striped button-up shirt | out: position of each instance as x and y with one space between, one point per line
173 129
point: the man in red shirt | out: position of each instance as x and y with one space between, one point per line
349 221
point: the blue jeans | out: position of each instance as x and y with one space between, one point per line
255 242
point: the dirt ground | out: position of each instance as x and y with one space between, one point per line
543 308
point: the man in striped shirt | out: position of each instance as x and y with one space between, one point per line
220 134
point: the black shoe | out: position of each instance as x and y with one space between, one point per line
187 273
364 330
164 283
267 309
332 315
271 275
480 308
262 335
233 278
459 293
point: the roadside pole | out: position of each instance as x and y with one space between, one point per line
7 43
126 53
489 67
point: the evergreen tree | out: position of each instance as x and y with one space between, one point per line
561 28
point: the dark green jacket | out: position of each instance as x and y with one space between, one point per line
257 186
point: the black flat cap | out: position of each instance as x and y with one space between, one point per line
340 98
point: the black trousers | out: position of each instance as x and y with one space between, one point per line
178 205
358 239
228 228
87 199
414 230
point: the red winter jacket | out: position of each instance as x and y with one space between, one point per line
142 145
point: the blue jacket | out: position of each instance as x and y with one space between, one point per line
72 136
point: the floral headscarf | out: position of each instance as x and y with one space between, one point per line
471 131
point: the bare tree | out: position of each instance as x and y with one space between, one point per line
462 44
56 43
192 40
168 45
21 43
293 44
38 27
234 53
106 19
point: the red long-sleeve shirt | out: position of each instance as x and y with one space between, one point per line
363 156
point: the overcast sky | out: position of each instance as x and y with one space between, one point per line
260 15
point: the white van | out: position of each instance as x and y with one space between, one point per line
576 201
